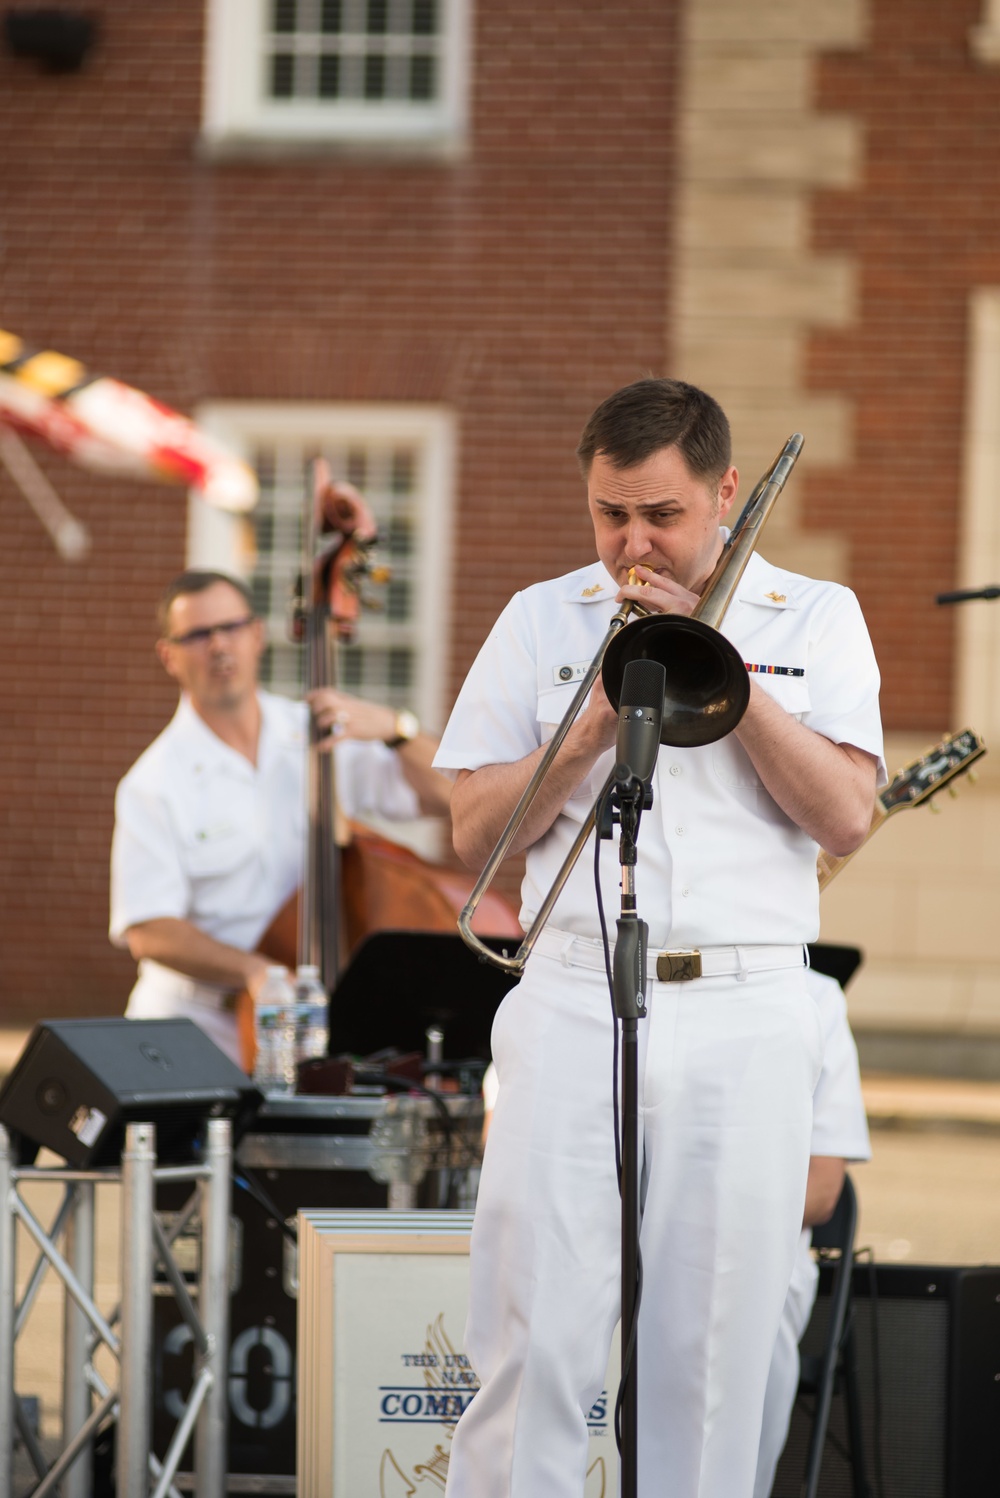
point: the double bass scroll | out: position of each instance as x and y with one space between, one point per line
355 882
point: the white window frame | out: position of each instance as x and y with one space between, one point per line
237 112
219 540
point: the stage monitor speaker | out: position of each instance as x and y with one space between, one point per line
78 1083
928 1352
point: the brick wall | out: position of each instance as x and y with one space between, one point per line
519 285
924 230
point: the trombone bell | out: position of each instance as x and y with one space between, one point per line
707 688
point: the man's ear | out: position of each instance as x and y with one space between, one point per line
164 657
728 487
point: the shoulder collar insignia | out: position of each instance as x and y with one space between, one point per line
589 592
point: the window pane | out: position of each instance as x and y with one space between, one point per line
351 668
402 471
265 531
399 536
378 17
400 672
263 461
282 75
329 77
285 19
374 77
260 589
330 20
424 18
397 601
422 78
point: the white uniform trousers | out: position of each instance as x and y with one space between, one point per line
726 1075
783 1378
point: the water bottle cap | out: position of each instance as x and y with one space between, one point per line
277 971
308 970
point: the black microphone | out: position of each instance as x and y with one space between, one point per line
641 709
965 595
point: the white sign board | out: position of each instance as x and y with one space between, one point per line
382 1377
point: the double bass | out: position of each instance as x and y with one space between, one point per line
355 882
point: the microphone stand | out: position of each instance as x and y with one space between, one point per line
629 989
967 595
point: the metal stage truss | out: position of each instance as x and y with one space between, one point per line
146 1246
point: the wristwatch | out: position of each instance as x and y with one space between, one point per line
407 728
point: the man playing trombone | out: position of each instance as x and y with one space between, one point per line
727 1060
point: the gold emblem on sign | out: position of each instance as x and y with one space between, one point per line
448 1386
589 592
778 597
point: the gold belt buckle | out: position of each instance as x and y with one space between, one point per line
678 967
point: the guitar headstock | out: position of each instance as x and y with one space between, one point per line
933 771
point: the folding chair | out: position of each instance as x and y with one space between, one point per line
837 1363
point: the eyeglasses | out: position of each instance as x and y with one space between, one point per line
197 638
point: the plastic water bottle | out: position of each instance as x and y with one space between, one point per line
274 1031
312 1015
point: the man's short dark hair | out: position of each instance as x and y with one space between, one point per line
196 580
640 419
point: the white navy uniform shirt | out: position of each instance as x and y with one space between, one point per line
840 1125
719 862
202 835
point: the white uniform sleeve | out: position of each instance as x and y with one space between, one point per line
147 877
495 718
371 783
844 679
840 1127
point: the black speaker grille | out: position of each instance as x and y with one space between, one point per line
912 1323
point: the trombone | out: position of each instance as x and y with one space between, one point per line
706 693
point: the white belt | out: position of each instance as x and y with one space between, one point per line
677 964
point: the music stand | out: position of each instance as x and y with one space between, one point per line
835 961
398 983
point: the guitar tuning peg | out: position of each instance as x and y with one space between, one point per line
953 792
935 809
973 777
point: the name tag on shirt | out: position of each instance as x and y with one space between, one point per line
565 675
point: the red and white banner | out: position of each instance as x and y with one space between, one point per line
105 425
